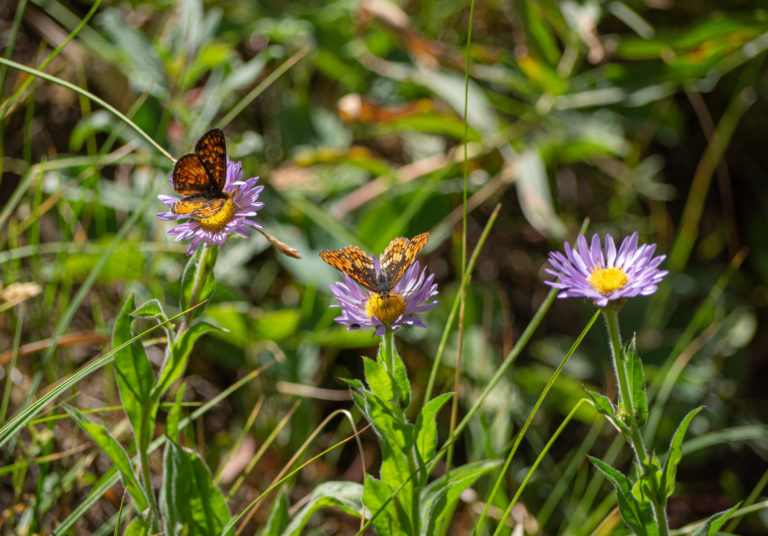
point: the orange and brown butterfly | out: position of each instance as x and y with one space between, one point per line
360 266
201 176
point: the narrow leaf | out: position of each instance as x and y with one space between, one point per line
172 420
401 379
110 446
439 497
628 505
675 453
637 383
353 383
426 427
133 371
605 407
150 309
713 524
346 496
177 362
278 518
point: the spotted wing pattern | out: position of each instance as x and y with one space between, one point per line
354 262
399 255
189 176
205 170
198 207
211 149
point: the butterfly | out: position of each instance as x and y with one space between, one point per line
356 263
200 176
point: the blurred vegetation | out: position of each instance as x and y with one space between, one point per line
639 116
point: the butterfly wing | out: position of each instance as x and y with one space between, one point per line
189 176
354 262
399 255
211 149
198 207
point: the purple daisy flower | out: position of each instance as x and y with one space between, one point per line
233 217
362 309
587 273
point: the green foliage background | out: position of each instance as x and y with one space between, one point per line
644 116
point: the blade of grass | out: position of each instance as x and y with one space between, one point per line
83 291
524 429
713 154
455 306
91 96
110 478
7 106
540 457
12 365
264 84
463 289
24 416
661 388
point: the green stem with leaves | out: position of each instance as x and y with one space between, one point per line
388 350
627 410
203 269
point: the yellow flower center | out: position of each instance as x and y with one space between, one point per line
220 219
386 309
607 280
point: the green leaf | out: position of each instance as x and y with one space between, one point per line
138 527
378 379
628 505
135 378
354 383
605 407
637 383
388 515
278 517
401 378
360 403
154 309
198 279
713 524
172 420
426 427
190 502
386 425
675 454
346 496
395 470
177 363
150 309
438 498
110 446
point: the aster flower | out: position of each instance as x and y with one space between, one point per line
232 218
362 309
589 273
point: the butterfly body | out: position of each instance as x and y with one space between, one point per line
201 177
360 266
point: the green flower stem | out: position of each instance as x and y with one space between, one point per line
626 409
388 350
204 267
626 412
387 342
